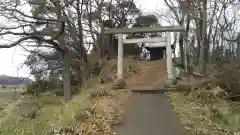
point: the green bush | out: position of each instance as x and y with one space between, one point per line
4 87
40 86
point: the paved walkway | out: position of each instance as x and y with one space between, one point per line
150 114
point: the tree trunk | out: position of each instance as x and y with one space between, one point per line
66 69
206 52
66 77
186 46
113 47
198 44
203 35
201 57
181 49
238 52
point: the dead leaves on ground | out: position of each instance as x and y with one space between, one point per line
50 100
205 112
99 119
100 93
108 113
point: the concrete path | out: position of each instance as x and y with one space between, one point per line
150 114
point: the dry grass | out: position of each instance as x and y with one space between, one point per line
130 67
50 100
50 117
105 112
208 110
203 116
108 113
89 113
8 95
8 99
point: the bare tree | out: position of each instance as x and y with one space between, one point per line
42 29
209 20
179 16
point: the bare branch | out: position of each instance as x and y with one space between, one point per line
31 17
40 39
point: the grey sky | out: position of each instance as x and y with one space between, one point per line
11 59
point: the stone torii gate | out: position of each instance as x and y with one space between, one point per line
166 39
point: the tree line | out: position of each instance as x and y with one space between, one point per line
65 38
66 41
211 34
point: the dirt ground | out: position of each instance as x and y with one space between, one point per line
145 74
138 74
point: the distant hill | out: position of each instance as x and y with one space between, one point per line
10 80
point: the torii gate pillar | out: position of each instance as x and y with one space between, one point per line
120 57
170 76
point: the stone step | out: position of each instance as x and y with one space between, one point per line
170 86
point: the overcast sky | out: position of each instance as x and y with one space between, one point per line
12 59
